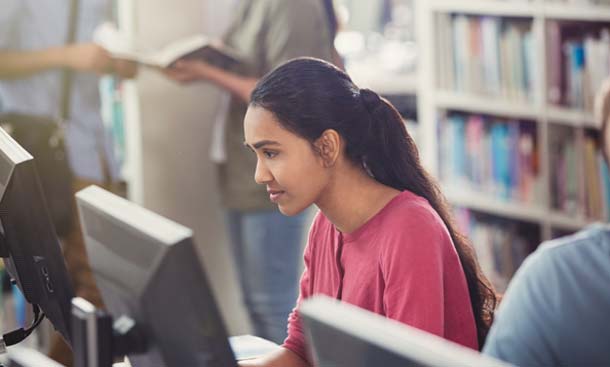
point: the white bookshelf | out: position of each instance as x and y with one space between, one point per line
515 8
485 105
524 9
561 11
569 117
567 222
473 200
434 102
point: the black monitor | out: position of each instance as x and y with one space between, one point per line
28 242
147 269
344 335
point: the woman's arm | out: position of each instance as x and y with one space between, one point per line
187 71
83 57
282 358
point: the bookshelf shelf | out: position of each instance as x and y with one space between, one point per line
473 200
523 9
570 117
567 221
590 13
486 105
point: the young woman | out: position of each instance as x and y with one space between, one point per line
384 239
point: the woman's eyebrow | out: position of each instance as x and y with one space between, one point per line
262 143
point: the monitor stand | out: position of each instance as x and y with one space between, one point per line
97 339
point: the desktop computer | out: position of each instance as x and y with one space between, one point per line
148 271
28 243
341 334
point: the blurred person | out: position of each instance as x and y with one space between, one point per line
33 58
555 311
266 245
384 239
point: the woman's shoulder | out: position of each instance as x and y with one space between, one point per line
410 222
408 209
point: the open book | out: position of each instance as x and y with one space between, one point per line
194 47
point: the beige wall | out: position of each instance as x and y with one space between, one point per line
175 123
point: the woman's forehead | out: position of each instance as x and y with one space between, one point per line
260 123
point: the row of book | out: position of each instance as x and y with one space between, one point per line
597 182
490 56
490 155
564 163
579 61
580 181
500 245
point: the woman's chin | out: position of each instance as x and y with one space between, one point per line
289 210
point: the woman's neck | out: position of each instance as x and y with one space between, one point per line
352 198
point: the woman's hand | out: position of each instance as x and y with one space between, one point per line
187 71
125 69
88 57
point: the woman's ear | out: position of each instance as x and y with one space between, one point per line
328 146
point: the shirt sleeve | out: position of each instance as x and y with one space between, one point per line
412 266
9 17
295 28
518 334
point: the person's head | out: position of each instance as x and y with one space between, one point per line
314 112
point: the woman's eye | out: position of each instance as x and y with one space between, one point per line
269 154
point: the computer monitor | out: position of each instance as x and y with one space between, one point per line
28 242
147 269
344 335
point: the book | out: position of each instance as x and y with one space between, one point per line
489 56
500 245
488 155
581 62
197 47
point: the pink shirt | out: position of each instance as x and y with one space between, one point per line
401 264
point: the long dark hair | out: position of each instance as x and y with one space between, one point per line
309 96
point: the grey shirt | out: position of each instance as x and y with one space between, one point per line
40 24
556 310
266 33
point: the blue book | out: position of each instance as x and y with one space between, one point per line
459 146
501 171
528 65
514 169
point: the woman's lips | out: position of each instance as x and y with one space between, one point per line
274 195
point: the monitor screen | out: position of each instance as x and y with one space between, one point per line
147 268
30 246
340 334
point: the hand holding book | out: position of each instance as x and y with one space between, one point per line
186 71
196 47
